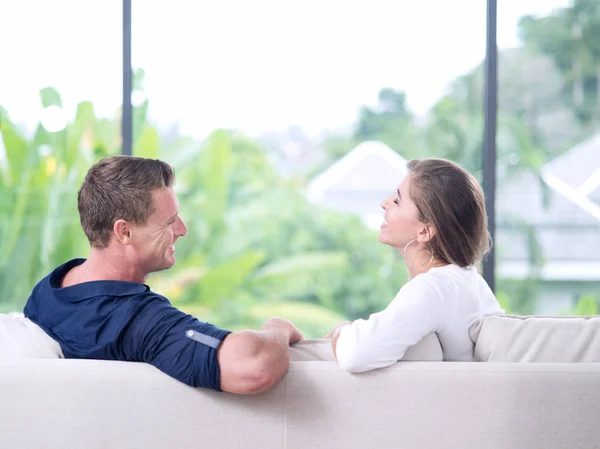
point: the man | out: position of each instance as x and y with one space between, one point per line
100 307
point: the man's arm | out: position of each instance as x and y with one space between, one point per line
253 361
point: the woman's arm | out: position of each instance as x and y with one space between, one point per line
380 341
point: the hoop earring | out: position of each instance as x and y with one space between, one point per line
430 250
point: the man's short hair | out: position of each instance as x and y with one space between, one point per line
119 187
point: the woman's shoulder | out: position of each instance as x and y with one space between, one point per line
453 272
428 284
445 279
433 290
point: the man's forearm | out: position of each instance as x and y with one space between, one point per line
253 361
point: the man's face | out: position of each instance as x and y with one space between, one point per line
154 242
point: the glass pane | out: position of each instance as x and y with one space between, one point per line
549 163
58 59
288 124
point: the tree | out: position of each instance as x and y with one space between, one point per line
39 178
571 37
391 123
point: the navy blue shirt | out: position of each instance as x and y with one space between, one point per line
115 320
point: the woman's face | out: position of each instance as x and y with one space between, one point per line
401 223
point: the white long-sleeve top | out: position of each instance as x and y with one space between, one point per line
446 300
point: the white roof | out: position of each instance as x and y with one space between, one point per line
371 166
576 175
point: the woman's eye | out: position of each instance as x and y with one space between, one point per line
396 201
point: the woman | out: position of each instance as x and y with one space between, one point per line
437 220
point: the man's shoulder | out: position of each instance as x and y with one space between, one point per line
148 298
148 305
43 291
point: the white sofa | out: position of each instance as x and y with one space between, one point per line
553 401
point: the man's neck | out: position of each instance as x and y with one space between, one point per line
104 265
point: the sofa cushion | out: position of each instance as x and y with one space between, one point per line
21 338
512 338
428 349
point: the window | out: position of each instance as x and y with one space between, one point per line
58 59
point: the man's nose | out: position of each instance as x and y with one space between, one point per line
182 228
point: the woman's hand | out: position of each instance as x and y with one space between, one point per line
335 334
336 329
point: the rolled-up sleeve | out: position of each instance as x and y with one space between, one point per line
178 344
383 339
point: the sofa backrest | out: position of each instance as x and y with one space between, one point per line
56 404
512 338
21 338
426 350
497 338
96 404
443 405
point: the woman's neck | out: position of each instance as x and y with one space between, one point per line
419 261
416 270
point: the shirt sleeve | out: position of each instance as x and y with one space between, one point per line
383 339
177 344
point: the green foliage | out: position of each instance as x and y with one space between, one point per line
39 179
452 132
266 244
504 302
391 123
361 282
571 36
587 305
255 246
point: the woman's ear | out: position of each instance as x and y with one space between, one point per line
426 233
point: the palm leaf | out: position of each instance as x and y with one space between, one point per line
313 320
222 281
300 265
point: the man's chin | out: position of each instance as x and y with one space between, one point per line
165 266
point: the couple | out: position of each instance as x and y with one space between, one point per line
100 307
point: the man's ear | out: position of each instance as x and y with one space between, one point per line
123 232
426 233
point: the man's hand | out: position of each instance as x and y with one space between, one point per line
252 361
286 325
